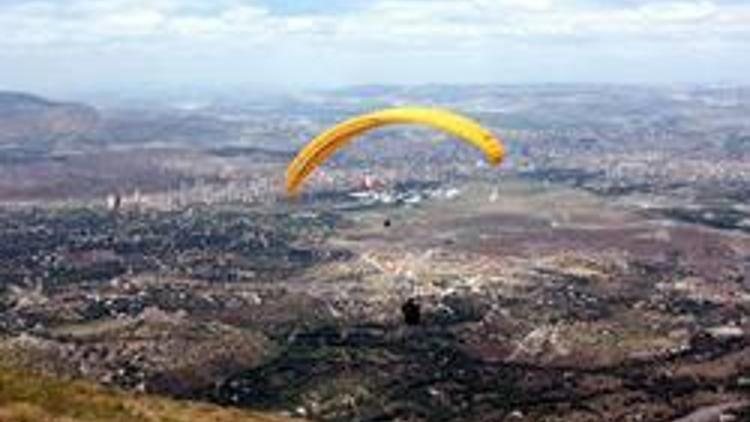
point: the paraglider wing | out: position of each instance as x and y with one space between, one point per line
326 144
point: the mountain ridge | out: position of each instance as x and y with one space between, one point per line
29 119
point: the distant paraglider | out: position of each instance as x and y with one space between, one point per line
326 144
412 312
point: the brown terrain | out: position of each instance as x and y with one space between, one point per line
558 293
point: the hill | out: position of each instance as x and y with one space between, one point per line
26 118
25 397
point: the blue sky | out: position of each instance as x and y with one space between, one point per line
53 46
313 6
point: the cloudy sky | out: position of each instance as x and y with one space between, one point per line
70 45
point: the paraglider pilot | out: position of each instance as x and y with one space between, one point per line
411 311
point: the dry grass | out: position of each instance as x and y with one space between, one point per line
31 398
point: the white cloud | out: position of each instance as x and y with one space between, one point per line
683 11
442 39
515 5
141 22
387 22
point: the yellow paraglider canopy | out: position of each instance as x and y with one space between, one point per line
322 147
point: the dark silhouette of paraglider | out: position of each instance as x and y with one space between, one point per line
412 312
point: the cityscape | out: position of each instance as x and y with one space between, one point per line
601 272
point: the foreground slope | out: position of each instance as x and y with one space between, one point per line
24 397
